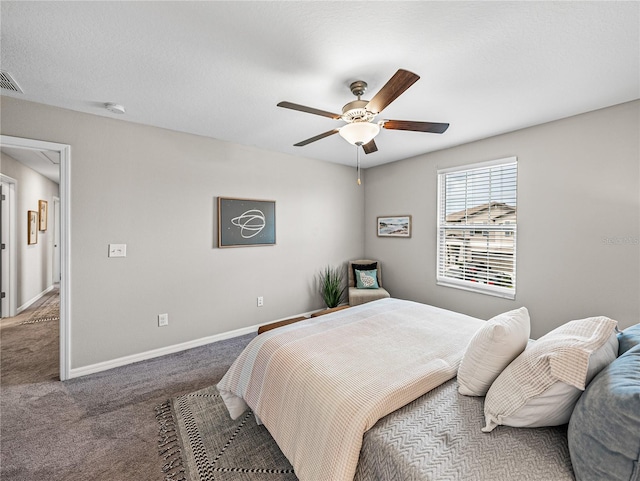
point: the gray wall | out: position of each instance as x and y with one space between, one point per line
34 264
155 190
578 250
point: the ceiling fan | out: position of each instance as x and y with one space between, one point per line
360 129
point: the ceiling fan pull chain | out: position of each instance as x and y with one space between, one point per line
358 163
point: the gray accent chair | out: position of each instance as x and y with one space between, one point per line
360 296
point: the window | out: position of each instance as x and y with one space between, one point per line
477 227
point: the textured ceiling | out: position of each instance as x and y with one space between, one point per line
218 69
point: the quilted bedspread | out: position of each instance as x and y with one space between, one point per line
319 385
438 437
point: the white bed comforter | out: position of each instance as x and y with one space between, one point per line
319 385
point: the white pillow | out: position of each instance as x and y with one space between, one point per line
541 386
491 349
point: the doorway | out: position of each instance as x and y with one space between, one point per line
62 223
8 296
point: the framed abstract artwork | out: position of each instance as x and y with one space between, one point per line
394 226
246 222
42 215
32 227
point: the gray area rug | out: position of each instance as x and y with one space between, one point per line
200 442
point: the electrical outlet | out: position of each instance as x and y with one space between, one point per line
163 320
260 301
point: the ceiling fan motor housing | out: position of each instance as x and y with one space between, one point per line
356 112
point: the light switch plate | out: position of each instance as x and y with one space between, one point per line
117 250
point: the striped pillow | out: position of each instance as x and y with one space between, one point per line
541 386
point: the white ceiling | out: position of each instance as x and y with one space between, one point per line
218 69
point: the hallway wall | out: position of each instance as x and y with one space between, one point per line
34 262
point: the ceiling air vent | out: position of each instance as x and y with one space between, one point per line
7 82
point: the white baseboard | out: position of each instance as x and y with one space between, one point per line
28 304
163 351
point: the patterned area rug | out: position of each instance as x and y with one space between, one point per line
49 310
200 442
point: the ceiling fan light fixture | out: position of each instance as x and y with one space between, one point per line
359 133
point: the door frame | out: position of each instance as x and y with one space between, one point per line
56 239
11 301
65 239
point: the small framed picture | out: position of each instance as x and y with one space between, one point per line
394 226
42 215
32 227
246 222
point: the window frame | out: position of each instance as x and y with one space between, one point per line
509 229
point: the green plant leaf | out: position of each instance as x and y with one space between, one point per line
331 286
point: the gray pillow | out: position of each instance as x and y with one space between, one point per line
603 433
628 338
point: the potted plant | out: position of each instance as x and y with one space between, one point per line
331 287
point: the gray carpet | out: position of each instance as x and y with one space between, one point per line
98 427
200 442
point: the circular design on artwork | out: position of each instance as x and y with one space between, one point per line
250 222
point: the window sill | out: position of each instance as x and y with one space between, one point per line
479 288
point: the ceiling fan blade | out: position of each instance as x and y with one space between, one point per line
401 81
370 147
433 127
317 137
309 110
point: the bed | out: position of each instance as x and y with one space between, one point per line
437 437
370 393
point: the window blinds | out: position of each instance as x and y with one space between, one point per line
477 227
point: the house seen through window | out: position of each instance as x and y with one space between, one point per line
477 227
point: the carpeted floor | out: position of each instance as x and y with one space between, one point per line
29 351
98 427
